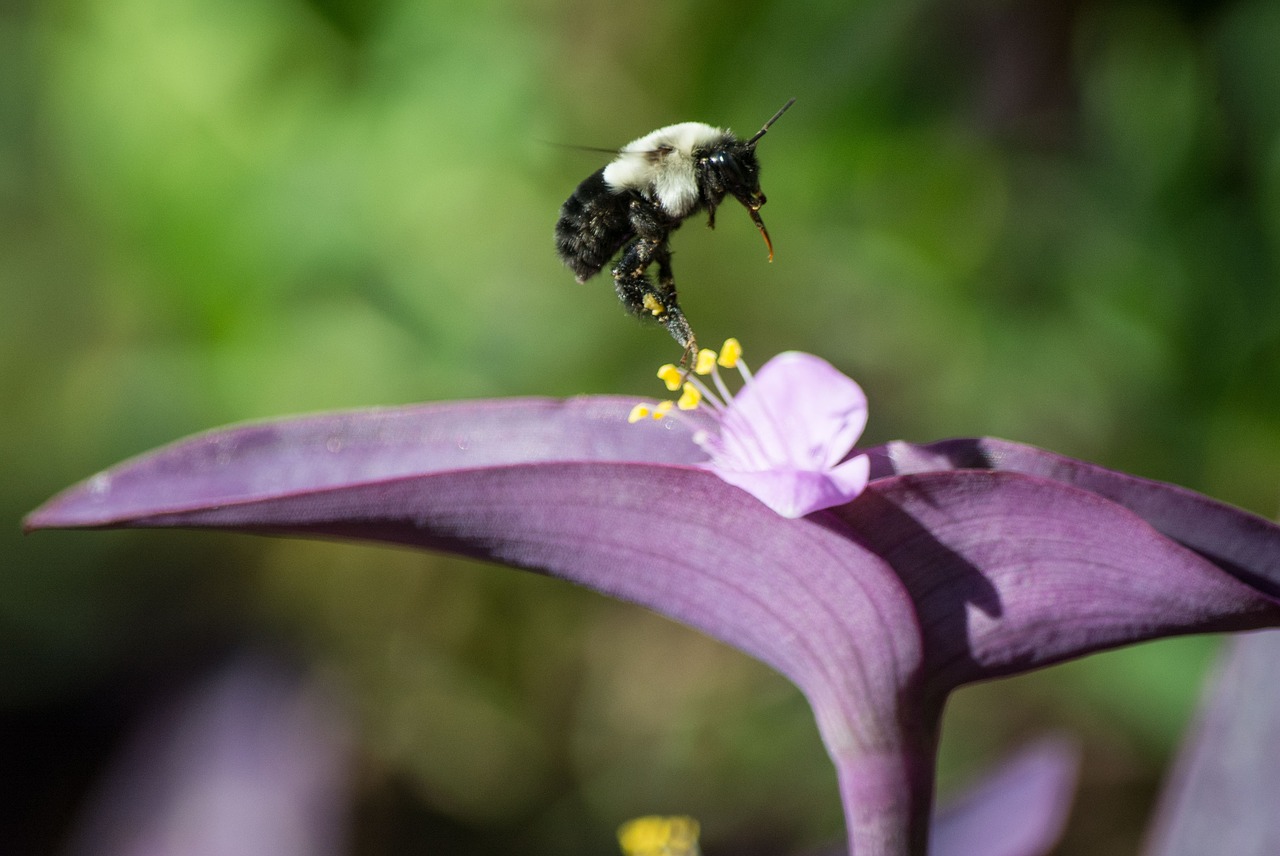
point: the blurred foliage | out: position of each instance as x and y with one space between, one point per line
1055 222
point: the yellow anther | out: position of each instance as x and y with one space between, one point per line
671 376
663 408
653 304
690 398
640 411
659 836
705 362
730 353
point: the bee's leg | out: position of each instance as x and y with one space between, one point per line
629 278
642 298
676 323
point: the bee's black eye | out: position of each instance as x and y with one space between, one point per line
730 168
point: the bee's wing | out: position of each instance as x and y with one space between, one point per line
604 150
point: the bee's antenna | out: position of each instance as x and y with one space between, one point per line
776 116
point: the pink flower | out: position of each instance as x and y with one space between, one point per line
785 436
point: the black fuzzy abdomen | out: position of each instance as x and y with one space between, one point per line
594 224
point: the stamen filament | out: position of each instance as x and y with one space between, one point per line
721 386
717 403
771 417
731 357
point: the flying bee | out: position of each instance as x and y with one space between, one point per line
634 204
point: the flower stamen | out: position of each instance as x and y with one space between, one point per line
693 391
689 398
730 353
671 376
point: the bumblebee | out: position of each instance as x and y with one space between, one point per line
634 203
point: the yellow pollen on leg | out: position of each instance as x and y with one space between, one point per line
653 304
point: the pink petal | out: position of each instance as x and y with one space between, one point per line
795 493
799 412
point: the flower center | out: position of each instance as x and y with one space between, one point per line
784 437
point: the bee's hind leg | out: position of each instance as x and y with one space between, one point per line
643 299
676 323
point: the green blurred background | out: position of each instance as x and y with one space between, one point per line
1055 222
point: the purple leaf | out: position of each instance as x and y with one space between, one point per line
1018 810
247 462
1010 572
669 536
1245 545
253 763
938 575
1223 793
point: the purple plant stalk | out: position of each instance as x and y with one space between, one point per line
960 561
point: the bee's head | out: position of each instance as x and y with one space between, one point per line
734 170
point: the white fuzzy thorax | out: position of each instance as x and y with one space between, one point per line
661 163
